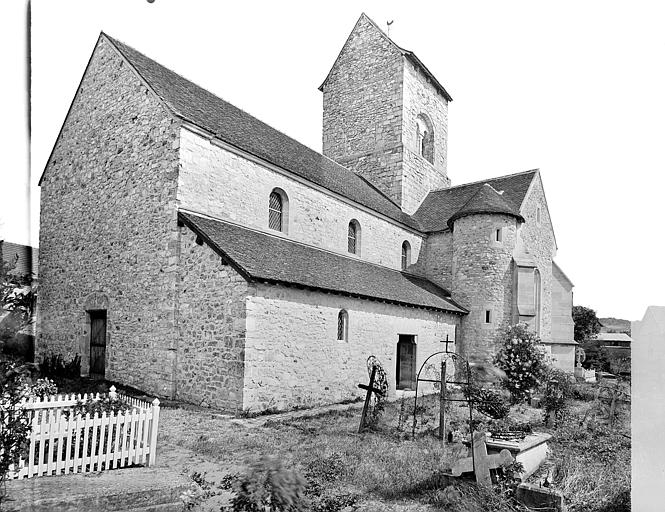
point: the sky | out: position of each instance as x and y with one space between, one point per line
572 88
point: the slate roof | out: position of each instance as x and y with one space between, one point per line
232 125
262 257
486 200
441 205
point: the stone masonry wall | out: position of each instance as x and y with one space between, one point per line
537 240
420 176
483 279
211 327
362 109
293 357
215 182
108 237
437 263
563 327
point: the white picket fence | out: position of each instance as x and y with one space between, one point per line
63 444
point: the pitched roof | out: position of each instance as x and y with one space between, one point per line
441 205
263 257
406 53
486 200
232 125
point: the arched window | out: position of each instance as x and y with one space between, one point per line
536 298
343 326
354 237
425 138
278 210
406 255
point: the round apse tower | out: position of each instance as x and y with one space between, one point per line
484 234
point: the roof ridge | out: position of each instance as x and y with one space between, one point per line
486 180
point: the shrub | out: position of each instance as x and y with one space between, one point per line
269 487
558 390
55 366
105 404
487 401
15 421
522 361
44 387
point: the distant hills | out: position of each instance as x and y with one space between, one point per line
615 325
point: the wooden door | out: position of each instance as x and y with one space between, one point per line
406 362
97 343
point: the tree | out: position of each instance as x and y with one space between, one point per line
586 323
17 295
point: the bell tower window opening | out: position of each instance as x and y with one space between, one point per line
425 138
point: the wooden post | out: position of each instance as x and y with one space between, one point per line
153 432
442 403
368 397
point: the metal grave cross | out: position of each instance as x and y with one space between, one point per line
481 463
370 389
447 342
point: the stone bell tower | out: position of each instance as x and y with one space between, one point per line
385 117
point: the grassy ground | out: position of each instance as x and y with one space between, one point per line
386 469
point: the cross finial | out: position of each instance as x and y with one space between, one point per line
447 341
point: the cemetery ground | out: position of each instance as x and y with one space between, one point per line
385 469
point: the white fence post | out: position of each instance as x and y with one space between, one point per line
153 432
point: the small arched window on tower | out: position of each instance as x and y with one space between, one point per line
343 326
425 138
278 210
354 237
537 298
406 255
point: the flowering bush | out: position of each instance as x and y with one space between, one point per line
522 361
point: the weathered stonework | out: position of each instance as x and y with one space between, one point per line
536 239
293 357
108 234
211 327
215 181
371 100
362 108
482 279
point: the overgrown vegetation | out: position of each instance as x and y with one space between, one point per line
15 385
55 366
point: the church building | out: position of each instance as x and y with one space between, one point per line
192 251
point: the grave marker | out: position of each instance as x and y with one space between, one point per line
481 463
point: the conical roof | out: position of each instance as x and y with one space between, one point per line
486 200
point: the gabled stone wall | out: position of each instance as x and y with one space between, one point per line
536 239
108 236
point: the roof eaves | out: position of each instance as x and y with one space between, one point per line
462 310
236 266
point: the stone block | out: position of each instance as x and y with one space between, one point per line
542 499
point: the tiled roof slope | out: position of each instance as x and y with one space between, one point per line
260 256
236 127
486 200
440 205
24 257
